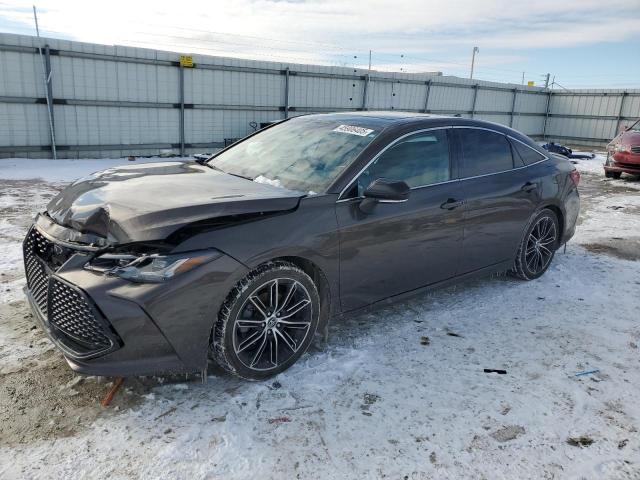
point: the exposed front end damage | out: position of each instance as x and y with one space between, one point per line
104 280
106 325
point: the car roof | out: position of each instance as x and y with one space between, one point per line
392 120
389 116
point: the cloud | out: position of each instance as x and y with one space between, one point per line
333 31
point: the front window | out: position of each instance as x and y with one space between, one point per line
305 153
419 160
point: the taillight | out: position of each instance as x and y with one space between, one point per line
575 177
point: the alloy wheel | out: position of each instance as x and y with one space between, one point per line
540 245
272 324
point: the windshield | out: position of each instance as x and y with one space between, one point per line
304 153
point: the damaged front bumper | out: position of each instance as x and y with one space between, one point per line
105 325
623 162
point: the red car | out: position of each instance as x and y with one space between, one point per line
623 153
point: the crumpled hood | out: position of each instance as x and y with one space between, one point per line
631 137
150 201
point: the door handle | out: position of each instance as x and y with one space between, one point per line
451 203
529 187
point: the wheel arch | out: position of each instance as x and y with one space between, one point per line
560 216
322 283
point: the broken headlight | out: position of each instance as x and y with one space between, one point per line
154 268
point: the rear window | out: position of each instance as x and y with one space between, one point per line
484 152
526 154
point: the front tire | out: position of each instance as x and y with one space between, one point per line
538 246
267 322
614 175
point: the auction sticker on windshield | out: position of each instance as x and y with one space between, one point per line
353 130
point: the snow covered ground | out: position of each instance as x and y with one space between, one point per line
400 393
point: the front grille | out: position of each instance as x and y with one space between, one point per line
635 149
37 278
71 313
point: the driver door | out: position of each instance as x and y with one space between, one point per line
401 246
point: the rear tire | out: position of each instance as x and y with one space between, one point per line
267 322
538 246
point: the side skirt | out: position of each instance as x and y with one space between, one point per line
483 272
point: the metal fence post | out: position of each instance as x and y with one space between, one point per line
47 64
475 97
546 116
364 92
181 75
624 94
46 67
286 93
426 97
513 106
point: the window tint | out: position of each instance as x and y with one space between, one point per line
484 152
528 155
420 159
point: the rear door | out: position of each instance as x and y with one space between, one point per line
401 246
499 197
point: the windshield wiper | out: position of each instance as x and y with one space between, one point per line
213 167
238 175
228 173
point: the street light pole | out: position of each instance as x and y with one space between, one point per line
473 59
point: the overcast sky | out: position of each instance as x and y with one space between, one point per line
583 43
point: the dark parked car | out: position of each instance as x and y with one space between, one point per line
623 152
242 259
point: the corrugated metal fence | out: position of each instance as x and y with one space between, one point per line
113 101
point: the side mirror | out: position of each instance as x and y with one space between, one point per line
383 190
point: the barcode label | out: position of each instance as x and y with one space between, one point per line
360 131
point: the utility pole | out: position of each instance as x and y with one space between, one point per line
47 89
522 78
546 80
473 59
369 61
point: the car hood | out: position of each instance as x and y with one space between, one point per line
631 137
150 201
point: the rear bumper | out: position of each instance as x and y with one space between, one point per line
571 212
154 328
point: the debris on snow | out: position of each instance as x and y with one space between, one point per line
508 433
167 412
279 420
581 441
112 391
